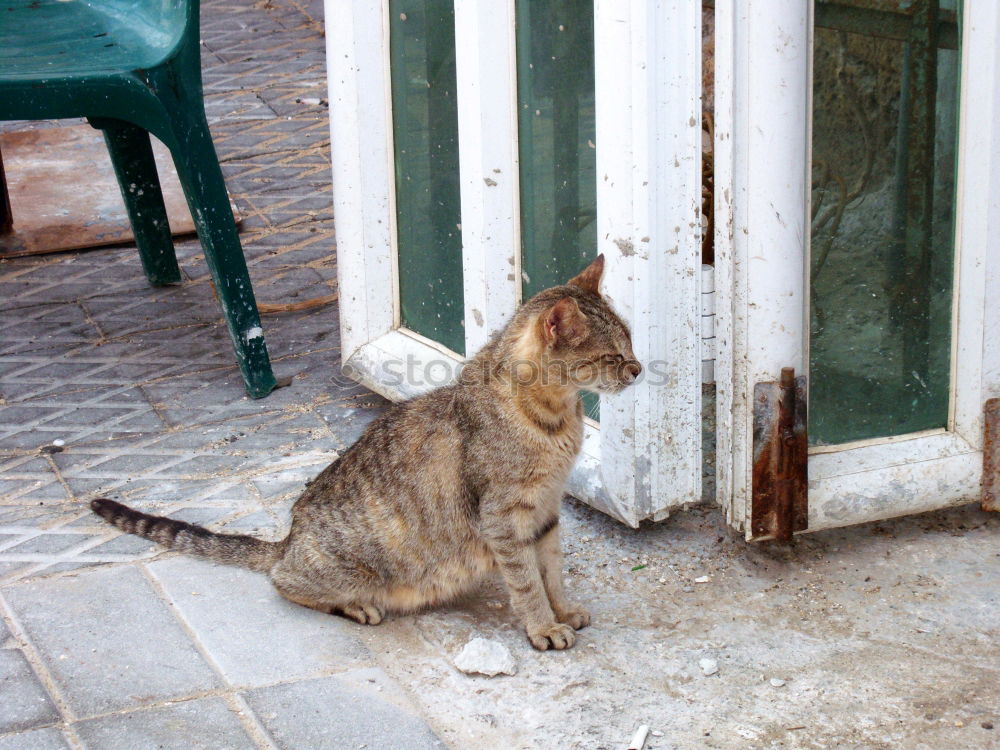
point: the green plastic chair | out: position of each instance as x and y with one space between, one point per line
133 67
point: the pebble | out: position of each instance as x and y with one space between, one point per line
687 589
656 733
702 579
708 666
59 442
777 682
483 656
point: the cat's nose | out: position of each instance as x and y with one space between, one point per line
631 371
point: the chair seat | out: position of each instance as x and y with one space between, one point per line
45 39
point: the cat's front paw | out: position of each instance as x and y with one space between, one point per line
575 617
366 614
551 635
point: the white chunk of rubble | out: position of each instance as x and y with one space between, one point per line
708 666
777 682
483 656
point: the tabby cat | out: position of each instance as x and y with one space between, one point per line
445 488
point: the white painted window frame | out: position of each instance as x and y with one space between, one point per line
645 457
762 120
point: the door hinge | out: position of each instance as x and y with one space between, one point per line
780 499
991 455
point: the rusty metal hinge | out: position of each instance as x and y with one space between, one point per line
780 500
991 455
6 217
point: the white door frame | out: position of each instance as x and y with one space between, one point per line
648 73
762 132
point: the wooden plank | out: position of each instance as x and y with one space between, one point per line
487 124
648 73
357 53
762 52
976 316
64 196
980 206
722 171
874 479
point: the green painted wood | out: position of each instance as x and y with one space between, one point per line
556 132
137 62
425 142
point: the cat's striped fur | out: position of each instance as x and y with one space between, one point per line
445 488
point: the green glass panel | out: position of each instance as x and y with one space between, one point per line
556 132
885 112
425 136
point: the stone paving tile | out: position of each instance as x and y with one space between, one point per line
109 642
260 524
357 709
49 738
12 570
204 724
350 422
38 515
254 635
23 701
141 384
48 544
202 516
126 544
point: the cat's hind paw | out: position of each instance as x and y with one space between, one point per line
576 618
552 635
366 614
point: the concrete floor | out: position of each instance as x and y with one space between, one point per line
885 635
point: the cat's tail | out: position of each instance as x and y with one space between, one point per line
229 549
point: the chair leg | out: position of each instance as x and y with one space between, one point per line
132 157
205 189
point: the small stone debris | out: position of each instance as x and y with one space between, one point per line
483 656
777 682
639 738
987 725
687 589
708 666
702 579
656 733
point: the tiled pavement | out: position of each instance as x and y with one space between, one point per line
103 643
886 634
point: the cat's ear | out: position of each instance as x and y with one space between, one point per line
590 277
564 322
